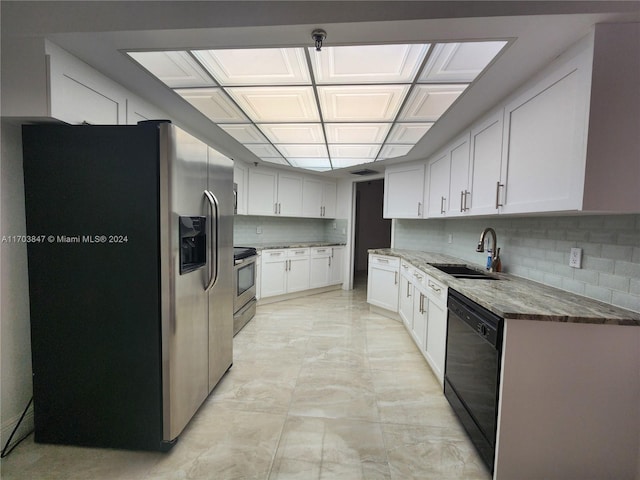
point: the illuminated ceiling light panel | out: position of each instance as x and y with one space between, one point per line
459 62
367 63
318 164
244 133
293 132
360 103
213 103
392 151
303 151
263 150
368 152
260 66
175 69
357 132
408 133
348 162
427 103
277 104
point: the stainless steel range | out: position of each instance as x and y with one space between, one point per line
244 286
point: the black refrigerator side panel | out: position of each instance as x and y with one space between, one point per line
92 193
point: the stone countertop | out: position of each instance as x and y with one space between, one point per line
514 297
278 245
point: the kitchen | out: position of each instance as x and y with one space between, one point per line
532 247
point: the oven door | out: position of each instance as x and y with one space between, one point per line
244 282
472 372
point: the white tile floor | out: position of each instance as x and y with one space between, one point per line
320 389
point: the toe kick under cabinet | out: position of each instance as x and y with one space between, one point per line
420 301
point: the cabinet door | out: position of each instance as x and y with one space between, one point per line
312 198
419 329
319 271
298 274
545 145
436 338
329 199
336 265
289 195
382 287
486 161
405 302
273 275
262 192
438 185
459 176
404 192
240 179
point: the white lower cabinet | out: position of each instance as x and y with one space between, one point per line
405 300
284 271
336 265
382 282
320 267
420 319
436 311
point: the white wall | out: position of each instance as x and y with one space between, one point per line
15 352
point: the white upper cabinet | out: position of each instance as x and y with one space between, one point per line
272 192
240 178
485 164
319 198
459 176
438 185
403 192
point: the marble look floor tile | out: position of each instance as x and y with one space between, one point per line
430 452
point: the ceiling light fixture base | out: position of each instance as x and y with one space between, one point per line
318 36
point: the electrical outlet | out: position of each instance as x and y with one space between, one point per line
575 258
258 230
334 225
344 231
450 239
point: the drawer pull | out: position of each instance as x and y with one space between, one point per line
434 287
419 277
382 260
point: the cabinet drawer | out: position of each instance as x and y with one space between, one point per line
435 290
384 261
273 255
297 252
321 252
417 277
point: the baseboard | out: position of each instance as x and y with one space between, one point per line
385 313
302 293
25 427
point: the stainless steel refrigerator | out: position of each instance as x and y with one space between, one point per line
130 251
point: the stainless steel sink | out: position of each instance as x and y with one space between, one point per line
463 271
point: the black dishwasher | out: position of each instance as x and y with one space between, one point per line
472 370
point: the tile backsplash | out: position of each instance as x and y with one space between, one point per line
286 229
538 248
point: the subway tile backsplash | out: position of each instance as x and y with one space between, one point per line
538 248
286 229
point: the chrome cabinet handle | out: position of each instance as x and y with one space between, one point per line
418 276
433 287
279 208
466 194
383 260
419 208
498 185
442 200
421 306
408 285
395 281
275 208
329 261
461 200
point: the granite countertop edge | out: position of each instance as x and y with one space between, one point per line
518 298
280 245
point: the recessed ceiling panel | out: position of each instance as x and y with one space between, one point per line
347 162
259 66
376 103
213 103
293 132
175 69
356 132
428 102
244 133
277 104
318 164
303 150
354 151
392 151
367 63
459 62
263 150
408 133
277 160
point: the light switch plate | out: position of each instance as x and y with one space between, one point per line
575 258
258 230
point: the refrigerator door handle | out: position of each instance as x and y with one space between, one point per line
213 232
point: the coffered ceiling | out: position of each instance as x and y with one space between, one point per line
328 109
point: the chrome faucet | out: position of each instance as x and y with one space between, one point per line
494 247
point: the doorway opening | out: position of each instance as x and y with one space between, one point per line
371 230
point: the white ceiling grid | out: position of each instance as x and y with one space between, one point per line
324 110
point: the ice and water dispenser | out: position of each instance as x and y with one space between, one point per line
193 243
